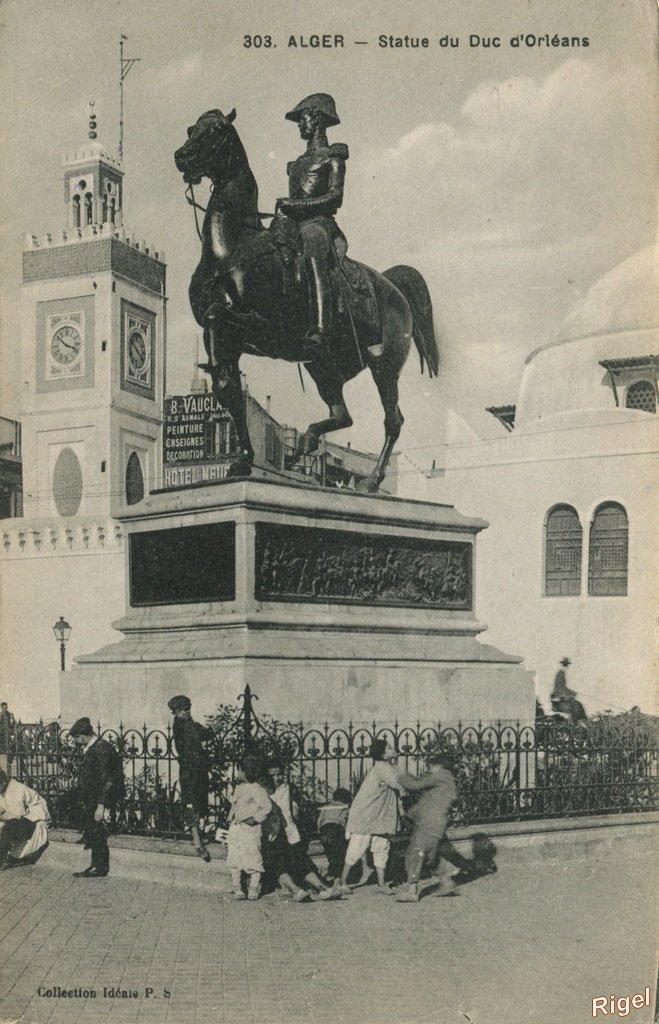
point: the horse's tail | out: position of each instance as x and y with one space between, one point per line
410 282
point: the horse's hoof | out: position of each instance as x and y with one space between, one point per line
239 469
307 443
368 486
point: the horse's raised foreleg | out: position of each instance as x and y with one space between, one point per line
229 393
330 388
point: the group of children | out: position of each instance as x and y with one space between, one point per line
263 839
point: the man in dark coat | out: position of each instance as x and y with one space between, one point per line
7 727
562 691
189 738
100 784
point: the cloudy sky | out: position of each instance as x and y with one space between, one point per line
511 177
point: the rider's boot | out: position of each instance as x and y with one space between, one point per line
316 342
211 340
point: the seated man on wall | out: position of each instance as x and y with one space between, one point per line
24 821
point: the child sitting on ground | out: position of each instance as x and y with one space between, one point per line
286 856
430 817
332 820
250 807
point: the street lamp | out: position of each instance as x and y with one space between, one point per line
62 631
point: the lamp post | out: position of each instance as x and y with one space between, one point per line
62 631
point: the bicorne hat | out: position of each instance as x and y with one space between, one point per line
179 703
321 101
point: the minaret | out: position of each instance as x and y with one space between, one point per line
92 184
93 346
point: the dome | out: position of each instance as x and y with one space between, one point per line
623 300
617 320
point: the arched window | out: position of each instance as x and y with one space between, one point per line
89 216
607 552
563 537
642 395
113 210
67 483
76 211
134 480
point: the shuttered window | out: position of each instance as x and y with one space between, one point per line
563 552
608 551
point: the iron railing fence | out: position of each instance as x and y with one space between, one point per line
504 772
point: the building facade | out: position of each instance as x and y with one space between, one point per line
569 564
11 469
93 353
93 348
200 443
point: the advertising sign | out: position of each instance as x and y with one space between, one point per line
196 435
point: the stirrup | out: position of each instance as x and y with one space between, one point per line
315 345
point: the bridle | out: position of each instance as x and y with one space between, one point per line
189 195
222 203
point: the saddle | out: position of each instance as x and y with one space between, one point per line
352 290
351 282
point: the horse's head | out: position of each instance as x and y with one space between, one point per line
198 157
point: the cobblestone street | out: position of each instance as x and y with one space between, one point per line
532 944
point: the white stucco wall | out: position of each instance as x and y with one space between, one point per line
52 567
513 482
609 639
572 444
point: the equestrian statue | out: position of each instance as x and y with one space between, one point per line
291 292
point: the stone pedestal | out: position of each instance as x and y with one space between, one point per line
332 605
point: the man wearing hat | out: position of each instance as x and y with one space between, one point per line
315 183
189 738
562 692
101 785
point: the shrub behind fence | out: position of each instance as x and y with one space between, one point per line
504 773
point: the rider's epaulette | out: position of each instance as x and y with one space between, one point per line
289 165
339 149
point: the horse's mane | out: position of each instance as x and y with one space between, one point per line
216 113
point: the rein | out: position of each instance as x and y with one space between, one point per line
197 206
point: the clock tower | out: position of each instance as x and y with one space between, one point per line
93 349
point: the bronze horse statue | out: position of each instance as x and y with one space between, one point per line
250 295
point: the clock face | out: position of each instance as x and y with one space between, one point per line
138 358
65 345
138 353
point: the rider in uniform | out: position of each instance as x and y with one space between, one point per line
315 182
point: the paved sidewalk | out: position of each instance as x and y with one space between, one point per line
532 944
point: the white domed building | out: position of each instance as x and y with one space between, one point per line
569 566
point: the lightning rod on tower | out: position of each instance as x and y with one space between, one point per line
125 64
